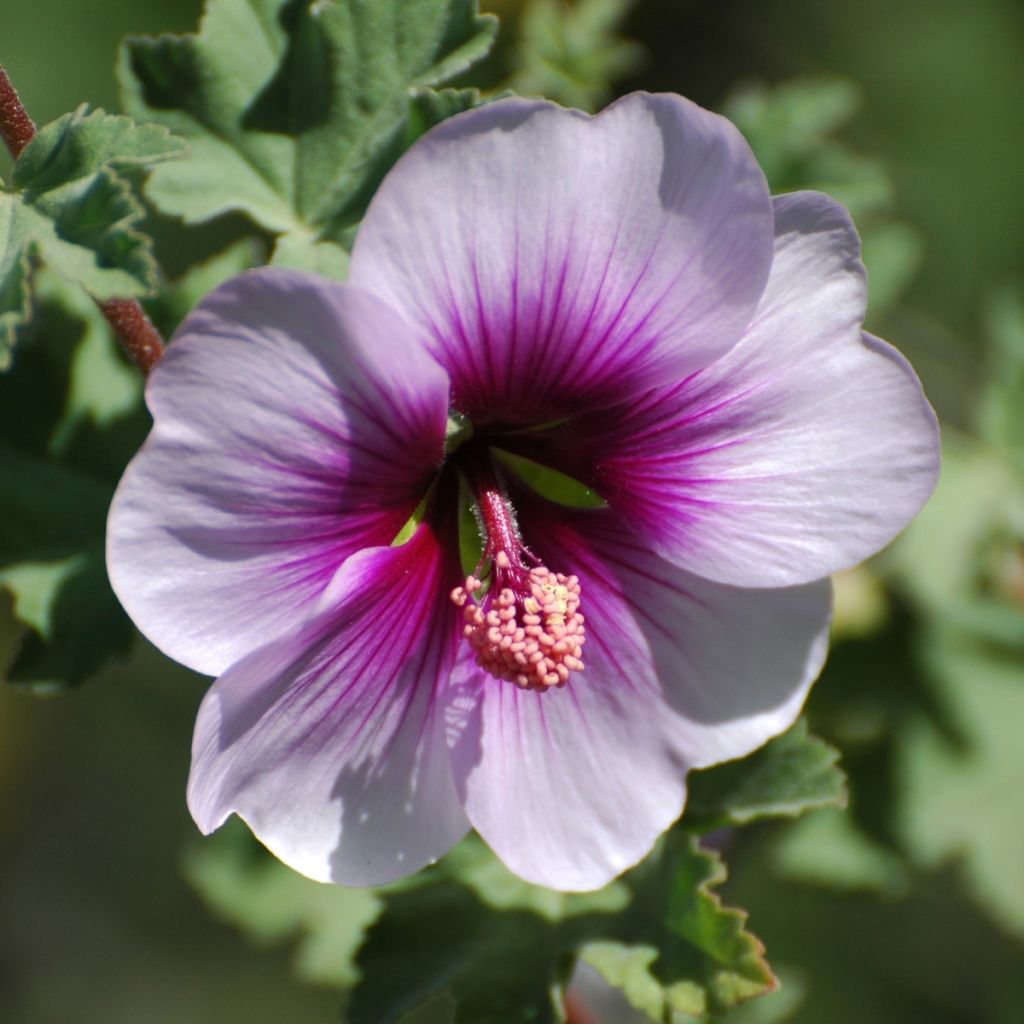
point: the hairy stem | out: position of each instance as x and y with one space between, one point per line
135 331
16 127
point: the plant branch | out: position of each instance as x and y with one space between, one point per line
135 331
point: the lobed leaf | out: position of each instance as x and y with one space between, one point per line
499 966
792 774
82 143
490 947
573 53
271 903
16 258
70 418
71 210
295 109
958 802
698 958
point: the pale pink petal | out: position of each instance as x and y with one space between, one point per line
554 259
803 450
329 743
572 786
295 422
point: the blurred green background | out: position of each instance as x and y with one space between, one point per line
910 908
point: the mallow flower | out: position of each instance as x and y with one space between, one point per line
617 298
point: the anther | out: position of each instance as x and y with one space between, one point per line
532 638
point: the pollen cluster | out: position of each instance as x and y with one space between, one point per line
533 639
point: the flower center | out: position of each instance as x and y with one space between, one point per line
528 628
531 634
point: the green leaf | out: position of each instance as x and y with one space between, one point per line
792 774
792 129
827 849
892 254
468 937
1001 415
499 966
473 865
790 122
72 210
305 252
81 144
16 250
74 622
701 960
273 904
177 297
70 417
961 801
295 109
573 53
976 519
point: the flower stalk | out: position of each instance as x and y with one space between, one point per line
134 330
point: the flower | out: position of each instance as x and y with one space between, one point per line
617 298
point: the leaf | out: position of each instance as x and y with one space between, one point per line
499 966
892 254
573 53
473 865
75 623
273 904
1001 415
827 849
467 936
15 278
177 297
70 417
961 801
790 122
702 959
295 109
976 519
792 129
51 560
789 776
305 252
71 210
81 144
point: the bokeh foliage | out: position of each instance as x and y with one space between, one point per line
255 140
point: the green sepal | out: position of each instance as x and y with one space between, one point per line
551 483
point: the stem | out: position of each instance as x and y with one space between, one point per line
134 330
16 127
139 338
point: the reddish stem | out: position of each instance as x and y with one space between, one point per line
138 337
134 330
16 127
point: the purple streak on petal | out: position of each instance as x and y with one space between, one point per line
329 742
597 256
572 786
296 421
803 450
